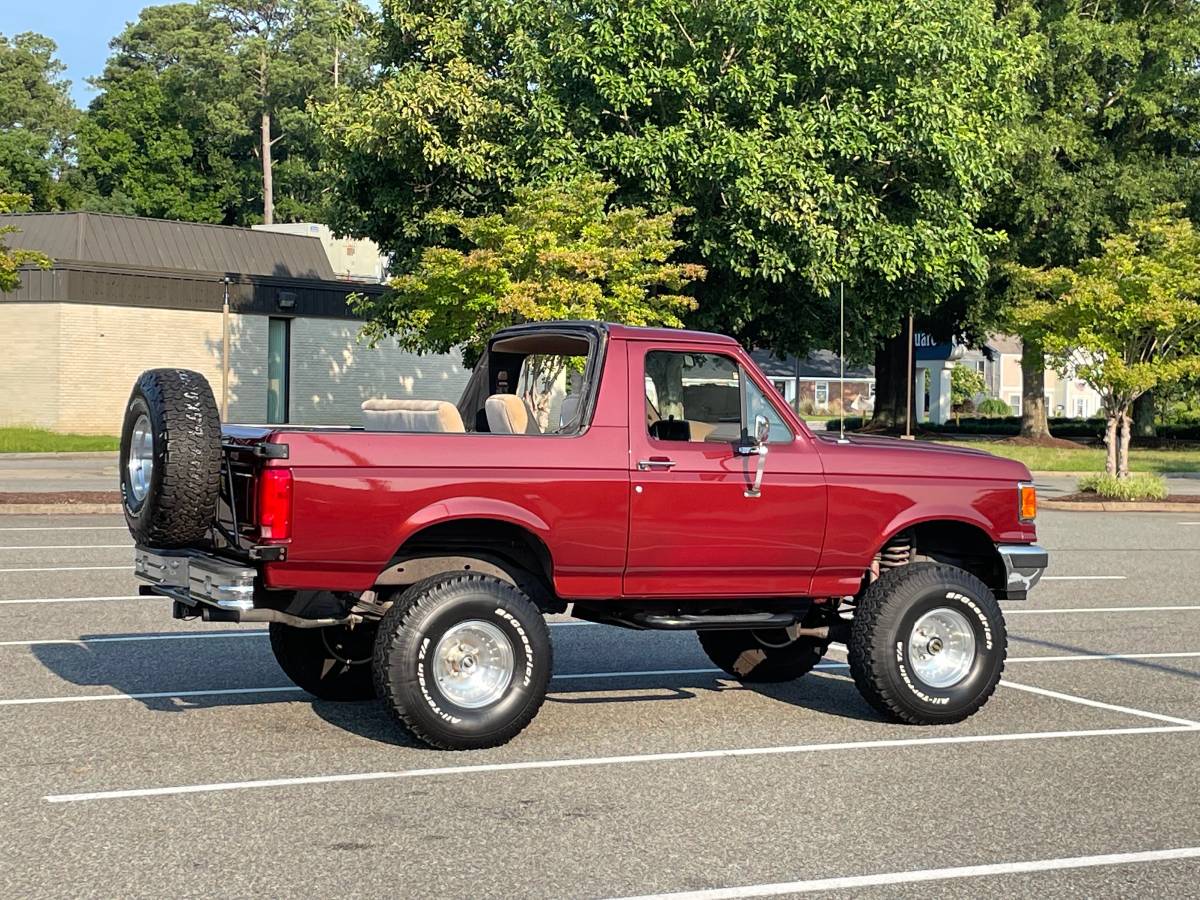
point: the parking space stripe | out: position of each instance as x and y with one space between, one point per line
152 695
125 568
1112 707
65 528
69 599
1083 578
921 875
130 638
595 761
71 547
1096 609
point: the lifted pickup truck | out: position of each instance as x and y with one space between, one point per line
660 483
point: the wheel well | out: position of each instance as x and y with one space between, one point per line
487 545
954 543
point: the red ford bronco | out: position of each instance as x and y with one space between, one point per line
645 478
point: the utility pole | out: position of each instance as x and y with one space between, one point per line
841 364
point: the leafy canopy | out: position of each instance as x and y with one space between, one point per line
37 119
815 142
1128 320
12 260
556 252
966 384
175 130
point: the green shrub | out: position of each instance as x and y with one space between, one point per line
1135 487
994 406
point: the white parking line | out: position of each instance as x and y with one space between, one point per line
66 528
70 599
122 639
153 695
920 875
594 761
1083 577
1009 611
1112 707
72 547
125 568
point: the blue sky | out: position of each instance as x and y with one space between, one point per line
81 28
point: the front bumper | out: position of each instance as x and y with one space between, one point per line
196 578
1023 567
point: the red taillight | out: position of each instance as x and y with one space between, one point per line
275 504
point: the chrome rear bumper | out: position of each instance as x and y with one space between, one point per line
1023 567
194 577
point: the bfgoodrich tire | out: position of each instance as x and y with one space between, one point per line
170 458
331 663
463 661
927 644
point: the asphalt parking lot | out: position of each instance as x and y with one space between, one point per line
144 756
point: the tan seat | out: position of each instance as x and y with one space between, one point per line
508 414
427 416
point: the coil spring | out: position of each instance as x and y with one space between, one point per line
898 552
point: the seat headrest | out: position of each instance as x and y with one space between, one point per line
426 416
508 414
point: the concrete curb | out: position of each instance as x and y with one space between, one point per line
59 509
1117 506
74 454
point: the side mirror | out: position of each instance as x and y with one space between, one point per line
762 429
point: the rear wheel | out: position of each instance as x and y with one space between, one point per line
927 644
332 663
463 661
765 655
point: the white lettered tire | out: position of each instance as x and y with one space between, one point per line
927 644
463 660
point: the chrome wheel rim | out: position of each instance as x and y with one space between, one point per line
141 458
473 664
941 647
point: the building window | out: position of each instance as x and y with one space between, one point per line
279 340
821 394
871 390
1014 400
1079 408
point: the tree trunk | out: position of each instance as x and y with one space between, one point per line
1110 444
1143 416
1033 392
891 383
268 175
1123 450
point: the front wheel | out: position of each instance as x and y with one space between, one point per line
463 661
927 644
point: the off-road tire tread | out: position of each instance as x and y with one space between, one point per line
409 606
187 496
869 658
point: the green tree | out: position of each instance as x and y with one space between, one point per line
1125 322
12 260
966 384
557 251
852 141
37 119
177 130
1110 133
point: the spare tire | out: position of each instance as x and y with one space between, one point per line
170 458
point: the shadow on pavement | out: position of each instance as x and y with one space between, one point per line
1149 664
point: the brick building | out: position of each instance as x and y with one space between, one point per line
126 294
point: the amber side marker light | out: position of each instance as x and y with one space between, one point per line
1027 494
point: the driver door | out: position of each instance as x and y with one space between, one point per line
695 530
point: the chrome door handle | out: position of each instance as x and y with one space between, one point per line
657 462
